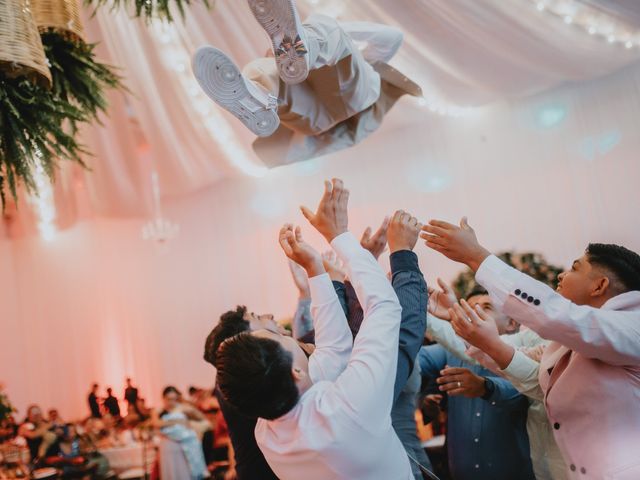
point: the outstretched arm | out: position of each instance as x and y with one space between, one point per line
332 337
411 289
365 388
607 335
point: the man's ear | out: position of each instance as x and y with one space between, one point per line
298 374
512 326
600 286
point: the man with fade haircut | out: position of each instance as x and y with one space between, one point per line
590 372
326 416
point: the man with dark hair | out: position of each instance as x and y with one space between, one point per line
231 323
336 424
131 394
410 287
111 404
486 422
249 461
591 369
92 400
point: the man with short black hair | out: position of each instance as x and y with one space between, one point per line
93 401
111 404
591 369
486 421
336 424
249 461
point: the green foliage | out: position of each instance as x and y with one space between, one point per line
32 128
39 124
6 409
533 264
78 78
149 9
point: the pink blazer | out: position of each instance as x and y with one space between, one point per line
590 373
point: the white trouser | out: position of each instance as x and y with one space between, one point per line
338 87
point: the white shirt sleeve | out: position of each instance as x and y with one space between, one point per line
378 43
607 335
333 338
365 388
441 332
522 372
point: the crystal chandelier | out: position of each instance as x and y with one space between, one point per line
159 229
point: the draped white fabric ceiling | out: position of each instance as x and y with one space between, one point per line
462 52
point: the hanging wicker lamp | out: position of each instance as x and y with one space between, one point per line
21 51
59 16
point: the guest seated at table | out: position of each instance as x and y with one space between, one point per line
54 418
173 423
8 429
37 433
75 460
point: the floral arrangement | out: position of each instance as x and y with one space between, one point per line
532 264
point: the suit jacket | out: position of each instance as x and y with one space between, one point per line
298 138
589 374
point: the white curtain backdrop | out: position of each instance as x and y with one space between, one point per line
547 173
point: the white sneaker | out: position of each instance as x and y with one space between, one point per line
222 81
280 20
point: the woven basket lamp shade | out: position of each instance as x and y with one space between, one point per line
21 52
60 16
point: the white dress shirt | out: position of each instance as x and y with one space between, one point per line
341 427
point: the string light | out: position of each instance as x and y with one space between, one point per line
43 201
176 58
592 21
444 109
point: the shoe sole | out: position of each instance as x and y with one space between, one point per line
279 18
223 82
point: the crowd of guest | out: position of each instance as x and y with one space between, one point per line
514 372
81 448
522 370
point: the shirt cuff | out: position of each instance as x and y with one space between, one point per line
521 366
497 277
303 302
404 260
346 245
321 289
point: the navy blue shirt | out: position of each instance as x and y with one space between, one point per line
486 438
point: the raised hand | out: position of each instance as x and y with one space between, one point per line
296 249
440 301
334 266
461 381
535 353
300 279
377 242
331 216
456 243
479 329
403 231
